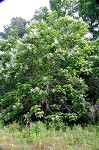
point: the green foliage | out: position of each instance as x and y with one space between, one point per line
43 73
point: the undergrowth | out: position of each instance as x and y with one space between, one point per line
15 137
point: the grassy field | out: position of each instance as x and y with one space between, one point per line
38 137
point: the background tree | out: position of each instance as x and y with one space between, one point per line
17 24
93 81
41 13
63 7
89 11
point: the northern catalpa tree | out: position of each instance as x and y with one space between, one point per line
45 72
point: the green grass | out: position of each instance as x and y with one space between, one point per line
39 138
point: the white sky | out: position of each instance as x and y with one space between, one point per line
19 8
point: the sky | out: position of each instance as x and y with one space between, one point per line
19 8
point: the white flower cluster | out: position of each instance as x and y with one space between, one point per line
29 47
50 55
33 32
35 89
19 41
25 37
2 52
55 41
1 68
45 78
